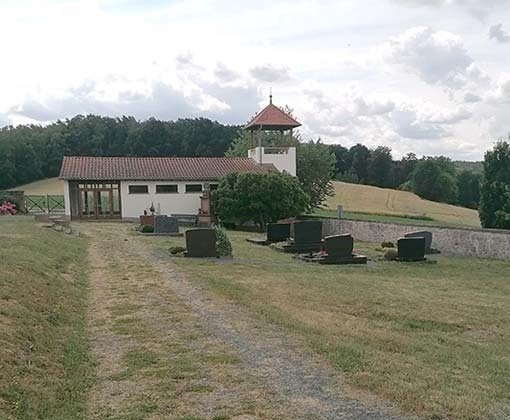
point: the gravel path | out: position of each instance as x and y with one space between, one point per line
296 378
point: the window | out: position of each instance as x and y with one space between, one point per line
138 189
167 189
193 188
213 187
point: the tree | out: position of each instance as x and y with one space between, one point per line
495 190
380 167
250 196
434 179
360 156
342 159
469 189
315 170
403 169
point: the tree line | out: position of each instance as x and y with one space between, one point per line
431 178
32 152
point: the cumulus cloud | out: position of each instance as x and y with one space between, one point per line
470 97
407 124
496 32
269 73
225 74
437 57
154 98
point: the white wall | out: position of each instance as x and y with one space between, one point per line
182 202
284 159
67 199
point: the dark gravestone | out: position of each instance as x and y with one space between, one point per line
201 243
307 237
339 245
275 232
166 224
411 249
278 232
422 234
307 231
337 250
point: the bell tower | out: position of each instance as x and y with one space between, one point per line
273 119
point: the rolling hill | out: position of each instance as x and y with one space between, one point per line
51 186
383 201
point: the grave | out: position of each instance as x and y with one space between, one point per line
337 250
411 249
307 237
428 240
201 243
275 232
147 220
166 225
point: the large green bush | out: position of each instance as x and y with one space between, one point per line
258 197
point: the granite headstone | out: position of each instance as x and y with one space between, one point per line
422 234
201 243
278 232
166 224
411 249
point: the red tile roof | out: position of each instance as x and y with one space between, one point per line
272 118
156 168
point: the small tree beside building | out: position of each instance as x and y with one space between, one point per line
259 197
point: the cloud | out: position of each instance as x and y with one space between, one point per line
269 73
496 32
470 97
479 9
223 73
152 99
437 57
407 124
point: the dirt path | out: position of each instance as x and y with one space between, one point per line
154 358
263 373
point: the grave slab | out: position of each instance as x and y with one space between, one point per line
411 249
422 234
201 243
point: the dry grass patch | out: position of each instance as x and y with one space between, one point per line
432 338
387 202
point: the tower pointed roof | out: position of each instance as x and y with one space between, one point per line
272 118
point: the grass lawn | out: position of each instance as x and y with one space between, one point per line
364 202
399 219
432 337
44 367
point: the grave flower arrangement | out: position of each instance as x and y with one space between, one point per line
8 209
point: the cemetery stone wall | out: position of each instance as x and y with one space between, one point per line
484 243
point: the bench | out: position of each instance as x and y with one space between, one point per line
188 219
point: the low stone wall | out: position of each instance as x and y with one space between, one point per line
483 243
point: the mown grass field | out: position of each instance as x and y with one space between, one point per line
363 202
50 186
431 337
44 365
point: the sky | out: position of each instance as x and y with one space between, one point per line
424 76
